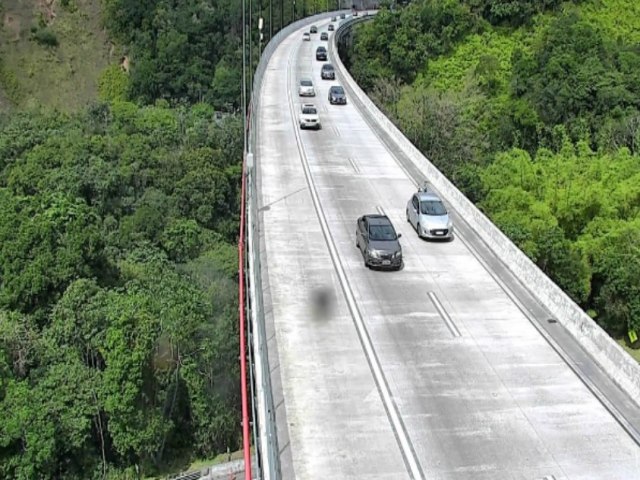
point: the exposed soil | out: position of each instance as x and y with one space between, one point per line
47 9
11 25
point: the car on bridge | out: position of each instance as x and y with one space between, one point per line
306 37
321 53
305 88
327 72
427 213
333 19
324 36
331 28
313 29
309 117
378 242
337 96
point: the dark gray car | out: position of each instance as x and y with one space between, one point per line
337 95
327 72
321 53
377 240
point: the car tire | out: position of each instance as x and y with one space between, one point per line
418 230
407 213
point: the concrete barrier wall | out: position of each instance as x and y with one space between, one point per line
619 365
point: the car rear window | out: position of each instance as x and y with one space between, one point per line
309 110
337 90
327 67
432 207
306 83
382 232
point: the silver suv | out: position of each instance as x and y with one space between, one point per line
305 88
428 215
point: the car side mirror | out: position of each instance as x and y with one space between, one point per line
399 235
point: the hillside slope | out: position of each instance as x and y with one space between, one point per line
51 53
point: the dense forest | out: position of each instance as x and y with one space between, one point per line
533 109
118 256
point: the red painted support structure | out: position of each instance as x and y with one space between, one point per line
246 446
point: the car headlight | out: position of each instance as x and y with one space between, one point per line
398 254
374 253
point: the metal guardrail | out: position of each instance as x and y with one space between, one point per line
267 465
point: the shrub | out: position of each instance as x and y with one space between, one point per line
45 37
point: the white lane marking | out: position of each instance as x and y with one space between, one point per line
408 453
354 165
445 315
336 131
380 210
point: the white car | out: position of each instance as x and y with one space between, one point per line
305 88
309 117
428 215
306 37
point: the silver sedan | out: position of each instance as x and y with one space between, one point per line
428 215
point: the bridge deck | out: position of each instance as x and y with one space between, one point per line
432 371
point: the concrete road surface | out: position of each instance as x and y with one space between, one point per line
430 372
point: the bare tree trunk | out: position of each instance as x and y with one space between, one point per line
170 409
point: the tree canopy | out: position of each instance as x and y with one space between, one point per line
533 109
118 297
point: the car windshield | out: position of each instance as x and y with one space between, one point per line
381 232
327 67
306 83
337 90
309 110
432 207
320 49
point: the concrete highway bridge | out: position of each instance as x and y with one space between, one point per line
469 363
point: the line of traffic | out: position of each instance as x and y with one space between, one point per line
407 450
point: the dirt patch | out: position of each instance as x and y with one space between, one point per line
11 25
125 64
48 11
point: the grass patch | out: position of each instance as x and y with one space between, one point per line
635 353
53 56
185 466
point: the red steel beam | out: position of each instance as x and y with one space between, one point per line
246 445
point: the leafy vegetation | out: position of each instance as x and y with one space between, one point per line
118 294
533 109
119 214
